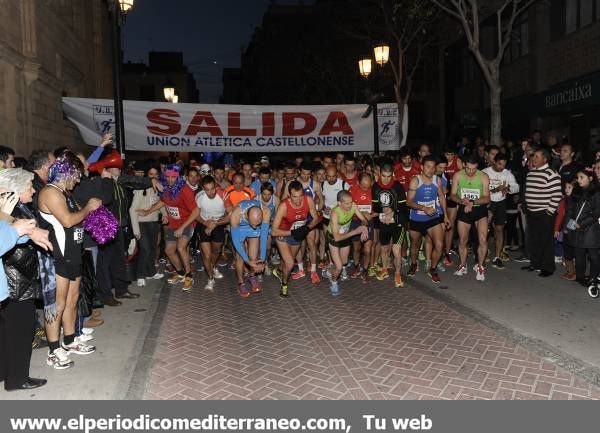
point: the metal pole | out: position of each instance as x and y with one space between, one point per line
375 130
117 96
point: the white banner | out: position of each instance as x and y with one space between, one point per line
391 137
165 127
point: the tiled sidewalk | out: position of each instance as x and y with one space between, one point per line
373 342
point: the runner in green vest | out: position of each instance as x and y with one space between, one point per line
471 191
339 235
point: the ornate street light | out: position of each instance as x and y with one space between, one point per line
169 92
382 54
365 67
175 99
126 5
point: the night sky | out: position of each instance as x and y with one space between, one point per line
206 31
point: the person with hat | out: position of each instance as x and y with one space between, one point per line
111 256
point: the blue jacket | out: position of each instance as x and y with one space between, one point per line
8 239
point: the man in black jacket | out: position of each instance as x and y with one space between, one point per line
111 257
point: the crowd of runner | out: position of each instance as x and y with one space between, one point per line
327 218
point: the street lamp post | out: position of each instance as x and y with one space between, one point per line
118 8
365 67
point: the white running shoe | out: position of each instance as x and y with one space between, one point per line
217 274
479 273
79 348
141 282
210 285
87 331
83 338
59 359
462 270
156 276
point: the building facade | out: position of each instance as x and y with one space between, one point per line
143 82
50 49
550 77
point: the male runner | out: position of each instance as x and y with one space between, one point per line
427 202
178 198
237 192
212 219
339 234
389 205
331 187
363 198
290 227
249 233
351 174
471 191
454 164
502 183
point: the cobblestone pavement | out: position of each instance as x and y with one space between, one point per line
373 342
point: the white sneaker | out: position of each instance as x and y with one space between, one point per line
83 338
479 273
217 274
558 259
462 270
59 359
87 331
141 282
210 285
156 276
79 348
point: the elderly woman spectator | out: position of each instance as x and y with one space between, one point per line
21 277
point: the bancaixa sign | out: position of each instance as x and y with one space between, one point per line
574 94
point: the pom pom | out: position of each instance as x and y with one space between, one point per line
101 224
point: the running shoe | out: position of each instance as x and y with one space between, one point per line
356 272
59 359
156 276
217 274
326 273
440 267
141 282
79 348
448 260
87 331
504 255
498 263
255 284
383 274
243 290
405 261
344 274
210 285
283 291
83 338
314 278
558 259
372 271
277 274
462 270
335 289
398 281
162 260
175 278
188 283
298 274
412 271
434 276
479 273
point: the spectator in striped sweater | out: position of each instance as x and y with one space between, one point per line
543 193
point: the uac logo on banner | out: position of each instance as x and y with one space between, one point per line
104 118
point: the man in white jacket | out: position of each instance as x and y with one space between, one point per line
502 183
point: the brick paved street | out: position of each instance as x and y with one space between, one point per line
374 342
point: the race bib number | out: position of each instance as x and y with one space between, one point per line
431 203
470 193
344 228
297 225
173 212
78 235
365 208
